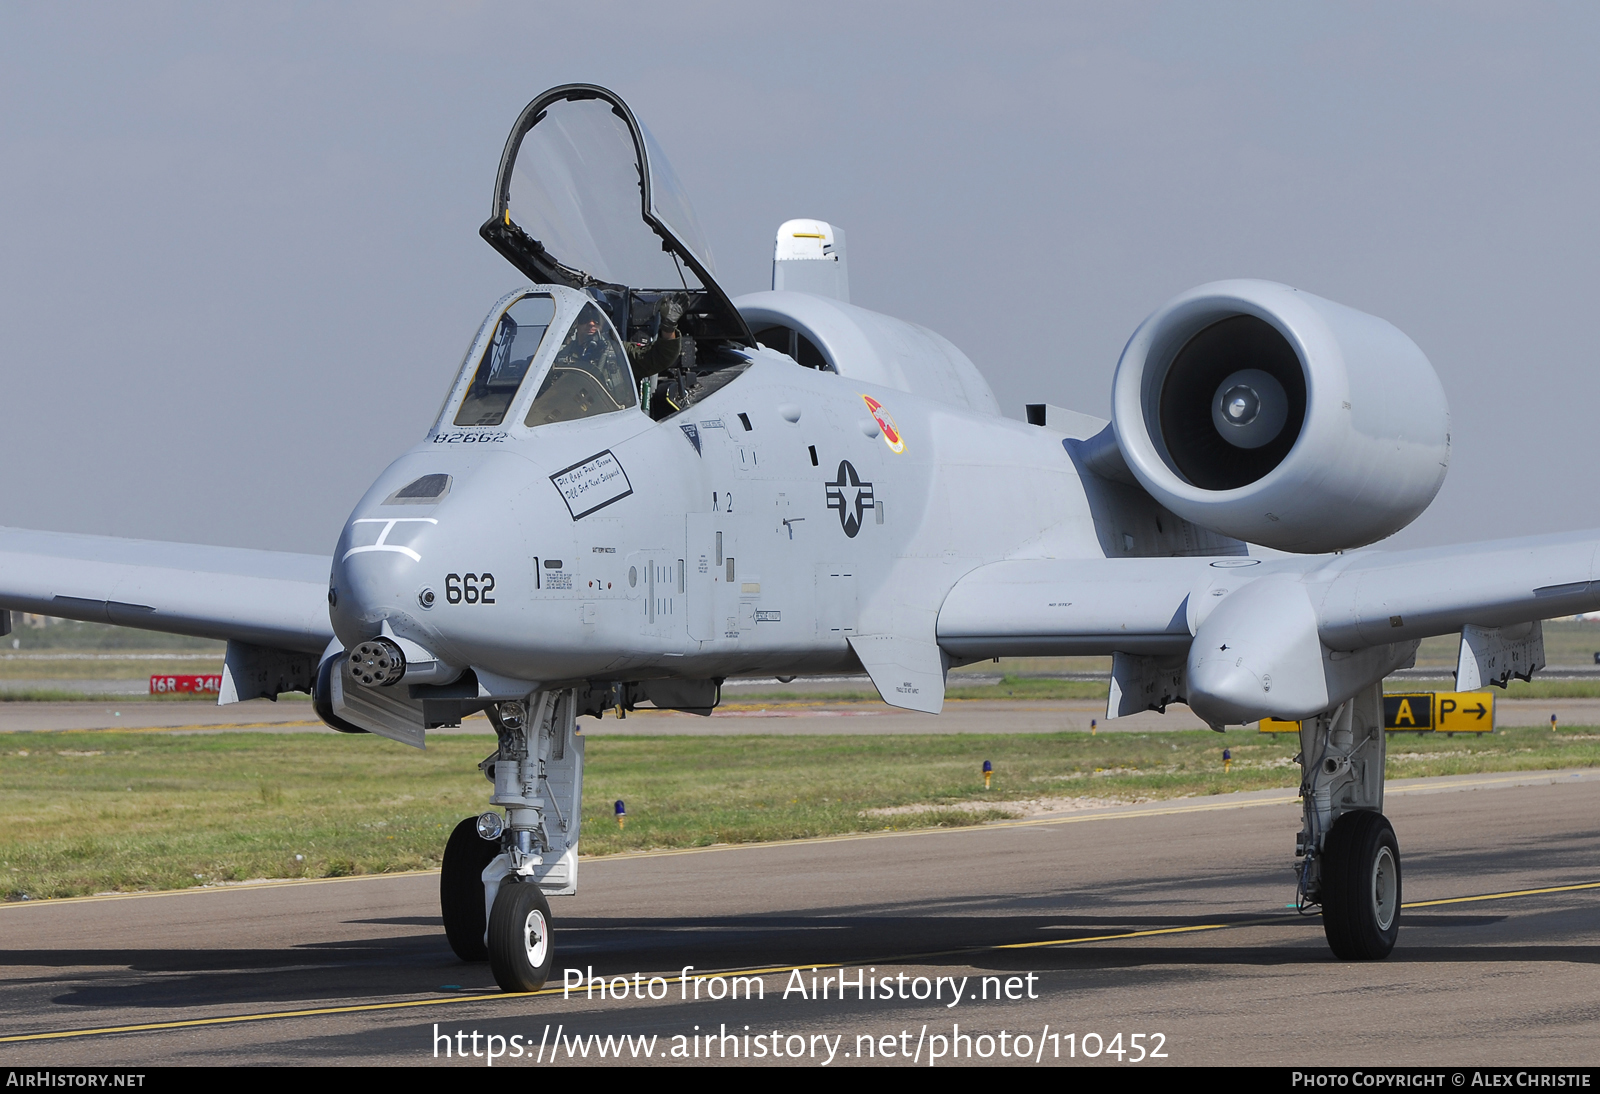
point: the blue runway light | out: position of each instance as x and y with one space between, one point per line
988 772
622 814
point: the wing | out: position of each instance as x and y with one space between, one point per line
1054 607
263 598
1385 596
1286 636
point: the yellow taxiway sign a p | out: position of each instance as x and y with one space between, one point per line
1463 712
1423 712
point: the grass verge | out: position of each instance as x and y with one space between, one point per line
90 812
1517 689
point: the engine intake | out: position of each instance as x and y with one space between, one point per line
1278 417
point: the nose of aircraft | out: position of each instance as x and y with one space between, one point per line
391 562
378 575
376 560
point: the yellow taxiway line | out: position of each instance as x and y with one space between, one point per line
1503 896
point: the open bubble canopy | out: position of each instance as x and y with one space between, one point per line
585 197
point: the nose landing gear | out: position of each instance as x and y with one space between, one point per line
492 892
461 901
520 952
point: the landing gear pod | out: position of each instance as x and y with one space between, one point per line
1280 418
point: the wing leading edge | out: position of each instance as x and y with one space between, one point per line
265 598
1270 636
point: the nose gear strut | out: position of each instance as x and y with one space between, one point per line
537 772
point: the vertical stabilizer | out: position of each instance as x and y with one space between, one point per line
809 257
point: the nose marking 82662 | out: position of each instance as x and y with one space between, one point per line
383 543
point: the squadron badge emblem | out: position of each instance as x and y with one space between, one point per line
891 432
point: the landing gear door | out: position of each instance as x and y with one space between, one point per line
585 197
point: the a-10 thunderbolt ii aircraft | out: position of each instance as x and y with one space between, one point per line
638 487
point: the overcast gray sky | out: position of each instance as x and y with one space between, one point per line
239 260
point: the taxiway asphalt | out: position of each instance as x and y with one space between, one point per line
1164 919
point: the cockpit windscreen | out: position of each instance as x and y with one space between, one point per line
589 376
505 363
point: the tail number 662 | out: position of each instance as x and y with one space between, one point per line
473 588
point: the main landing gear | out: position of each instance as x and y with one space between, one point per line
1350 859
1361 887
499 869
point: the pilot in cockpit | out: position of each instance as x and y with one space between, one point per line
587 347
660 354
592 351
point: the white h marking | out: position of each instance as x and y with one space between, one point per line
388 526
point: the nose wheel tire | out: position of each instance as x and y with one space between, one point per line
1361 887
520 949
461 889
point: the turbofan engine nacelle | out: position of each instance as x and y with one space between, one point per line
1280 418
